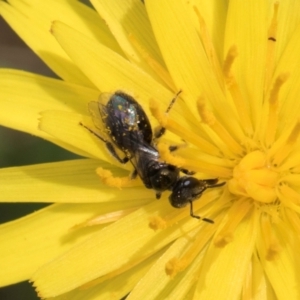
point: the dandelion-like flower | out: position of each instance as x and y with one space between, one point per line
236 64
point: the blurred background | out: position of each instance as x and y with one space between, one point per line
17 148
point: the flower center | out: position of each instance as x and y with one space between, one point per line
253 177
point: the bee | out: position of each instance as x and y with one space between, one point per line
128 129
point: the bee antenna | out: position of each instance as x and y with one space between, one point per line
173 101
215 185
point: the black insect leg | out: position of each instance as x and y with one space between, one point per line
159 133
113 152
208 220
108 144
173 101
187 172
192 211
212 183
134 174
173 148
198 217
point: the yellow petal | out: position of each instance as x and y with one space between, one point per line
67 182
129 17
65 126
288 21
288 63
107 70
135 242
214 12
246 28
183 52
32 241
25 95
110 72
39 39
163 283
113 288
282 271
73 13
223 266
259 285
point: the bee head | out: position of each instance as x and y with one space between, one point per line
186 189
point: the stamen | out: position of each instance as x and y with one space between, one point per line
209 119
235 215
156 67
272 118
253 177
176 128
235 92
193 164
271 243
286 145
271 46
108 179
208 168
175 216
176 265
209 48
156 223
165 155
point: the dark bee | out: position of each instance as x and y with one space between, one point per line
128 128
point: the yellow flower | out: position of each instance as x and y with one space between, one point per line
237 65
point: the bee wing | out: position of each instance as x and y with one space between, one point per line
98 111
94 110
145 155
139 166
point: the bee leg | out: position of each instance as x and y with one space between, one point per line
108 144
159 132
192 211
158 195
113 152
208 220
187 172
173 148
134 174
198 217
